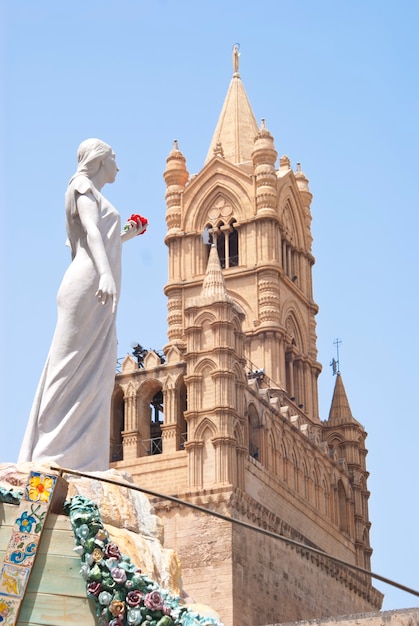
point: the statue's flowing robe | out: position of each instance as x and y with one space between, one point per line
69 422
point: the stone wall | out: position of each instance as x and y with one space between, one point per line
401 617
289 584
251 579
203 544
166 473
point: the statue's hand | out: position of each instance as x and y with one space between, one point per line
135 225
142 223
107 290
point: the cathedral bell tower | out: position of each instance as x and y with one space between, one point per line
258 218
228 417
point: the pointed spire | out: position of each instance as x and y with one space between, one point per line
213 287
237 127
340 411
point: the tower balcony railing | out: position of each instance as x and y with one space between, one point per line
152 446
273 389
254 372
116 452
149 447
155 444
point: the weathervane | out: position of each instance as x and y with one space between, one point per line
334 363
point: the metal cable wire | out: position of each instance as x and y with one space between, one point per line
226 518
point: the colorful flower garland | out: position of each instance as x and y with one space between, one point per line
9 496
123 595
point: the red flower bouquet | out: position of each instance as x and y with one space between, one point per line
138 222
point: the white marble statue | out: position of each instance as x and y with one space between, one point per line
70 418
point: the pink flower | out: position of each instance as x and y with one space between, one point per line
154 601
119 575
134 598
94 588
112 551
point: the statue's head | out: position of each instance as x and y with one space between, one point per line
90 154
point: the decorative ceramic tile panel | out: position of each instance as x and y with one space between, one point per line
21 549
31 517
41 493
13 580
9 608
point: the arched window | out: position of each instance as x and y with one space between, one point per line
254 432
342 510
294 368
233 246
221 248
291 241
227 241
183 424
326 497
284 463
270 461
208 457
305 482
295 471
335 447
156 441
117 426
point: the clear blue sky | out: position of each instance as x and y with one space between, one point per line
338 85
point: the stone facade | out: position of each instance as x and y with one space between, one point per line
229 417
402 617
